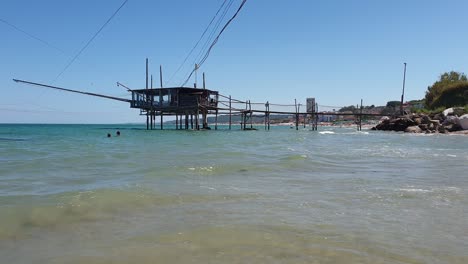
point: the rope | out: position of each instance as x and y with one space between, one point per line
89 41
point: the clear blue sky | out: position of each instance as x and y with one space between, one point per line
336 51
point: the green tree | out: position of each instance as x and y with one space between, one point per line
450 90
350 108
393 104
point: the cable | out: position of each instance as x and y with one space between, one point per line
196 45
216 40
213 31
31 36
221 32
89 42
210 37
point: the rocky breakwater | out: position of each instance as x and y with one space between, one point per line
422 123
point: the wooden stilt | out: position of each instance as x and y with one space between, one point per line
250 115
360 118
162 121
147 98
297 121
297 115
268 115
204 81
230 113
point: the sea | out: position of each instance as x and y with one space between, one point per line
70 194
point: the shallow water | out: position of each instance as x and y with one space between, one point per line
68 194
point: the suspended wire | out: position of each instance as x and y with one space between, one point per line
90 40
210 37
213 31
31 36
196 45
221 32
215 41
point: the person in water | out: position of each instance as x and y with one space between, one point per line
108 135
118 133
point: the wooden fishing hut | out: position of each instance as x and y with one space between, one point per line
186 104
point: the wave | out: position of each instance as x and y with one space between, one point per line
56 210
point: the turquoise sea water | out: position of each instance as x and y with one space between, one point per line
69 194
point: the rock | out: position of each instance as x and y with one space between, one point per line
423 127
463 122
426 120
417 120
448 111
413 129
434 126
453 127
400 124
439 117
384 118
450 120
457 111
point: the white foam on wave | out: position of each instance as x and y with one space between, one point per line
414 190
326 132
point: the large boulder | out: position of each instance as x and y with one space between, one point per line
463 122
417 120
457 111
425 120
400 124
453 127
413 129
450 120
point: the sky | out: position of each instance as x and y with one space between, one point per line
336 51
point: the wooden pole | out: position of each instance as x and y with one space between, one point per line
152 100
251 119
177 121
160 76
297 115
230 113
197 120
403 92
161 120
360 119
160 95
246 108
216 120
268 106
316 116
191 121
245 119
196 69
147 96
204 81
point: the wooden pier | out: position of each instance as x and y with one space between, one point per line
192 106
